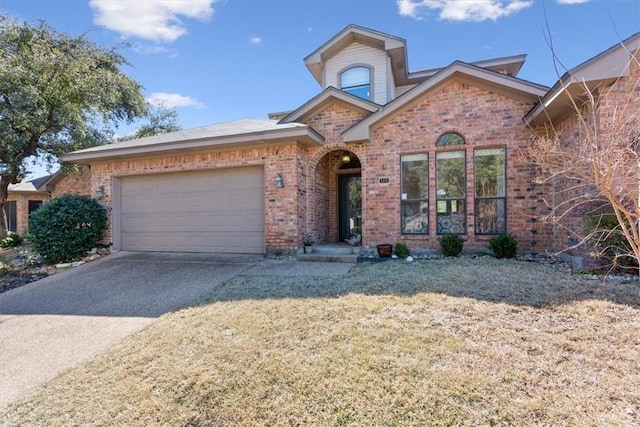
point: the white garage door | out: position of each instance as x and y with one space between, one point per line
204 211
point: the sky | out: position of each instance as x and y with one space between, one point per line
221 60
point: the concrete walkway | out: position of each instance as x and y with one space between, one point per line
55 323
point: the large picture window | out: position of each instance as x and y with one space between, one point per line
490 191
357 81
451 178
415 194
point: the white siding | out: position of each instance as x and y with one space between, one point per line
359 54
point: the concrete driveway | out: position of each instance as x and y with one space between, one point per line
53 324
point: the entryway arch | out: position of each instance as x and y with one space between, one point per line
335 203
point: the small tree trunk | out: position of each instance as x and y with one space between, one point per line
4 195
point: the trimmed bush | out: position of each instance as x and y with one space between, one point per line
451 244
504 246
66 228
401 250
11 240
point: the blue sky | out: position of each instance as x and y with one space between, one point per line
223 60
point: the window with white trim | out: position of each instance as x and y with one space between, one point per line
357 81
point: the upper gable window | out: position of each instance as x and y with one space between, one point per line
357 81
450 139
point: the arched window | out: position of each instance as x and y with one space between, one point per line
449 139
357 81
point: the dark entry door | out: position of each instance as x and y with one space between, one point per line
349 205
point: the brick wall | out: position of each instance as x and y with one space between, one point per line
324 162
22 208
73 183
283 206
616 111
485 120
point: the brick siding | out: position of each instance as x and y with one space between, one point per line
283 207
615 104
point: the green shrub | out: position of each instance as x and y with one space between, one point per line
66 228
614 249
504 246
451 244
5 266
11 240
401 250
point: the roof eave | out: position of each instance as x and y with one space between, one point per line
302 135
323 97
602 69
458 69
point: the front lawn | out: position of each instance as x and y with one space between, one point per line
429 343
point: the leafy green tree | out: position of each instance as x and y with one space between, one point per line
161 119
58 93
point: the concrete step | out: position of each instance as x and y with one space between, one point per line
324 257
330 252
333 249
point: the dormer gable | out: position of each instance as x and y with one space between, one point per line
356 54
374 66
392 46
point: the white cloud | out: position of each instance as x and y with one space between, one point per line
572 1
464 10
171 100
157 20
255 40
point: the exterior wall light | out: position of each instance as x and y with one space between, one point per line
100 192
346 158
279 181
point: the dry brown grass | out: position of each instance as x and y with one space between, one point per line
433 343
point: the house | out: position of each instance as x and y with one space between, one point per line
393 154
27 196
606 91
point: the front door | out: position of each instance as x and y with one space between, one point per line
349 205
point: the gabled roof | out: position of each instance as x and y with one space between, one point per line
245 132
395 47
327 96
509 65
494 81
35 185
600 71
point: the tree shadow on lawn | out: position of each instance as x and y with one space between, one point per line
484 279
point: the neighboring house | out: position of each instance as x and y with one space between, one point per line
393 154
27 196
